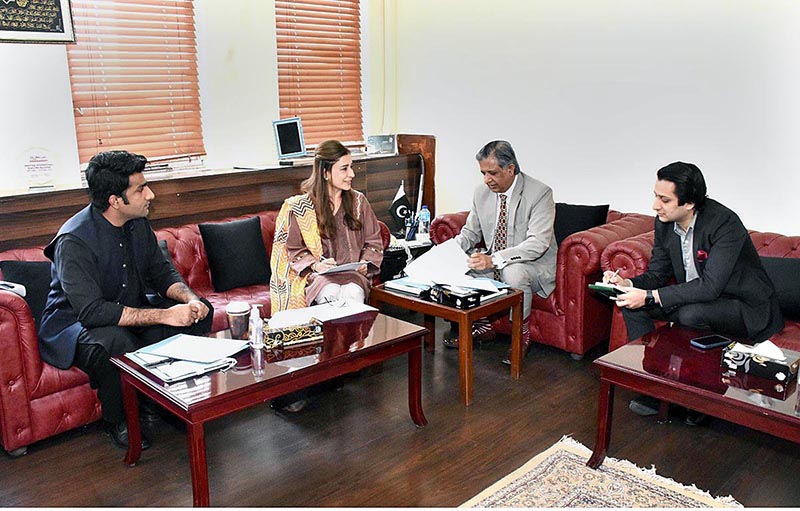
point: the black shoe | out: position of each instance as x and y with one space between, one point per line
645 406
696 418
149 413
119 435
281 406
450 342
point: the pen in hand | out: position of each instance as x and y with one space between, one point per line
615 274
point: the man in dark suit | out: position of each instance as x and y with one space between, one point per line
105 260
719 282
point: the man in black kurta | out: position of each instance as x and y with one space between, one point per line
105 262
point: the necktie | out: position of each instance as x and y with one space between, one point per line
501 233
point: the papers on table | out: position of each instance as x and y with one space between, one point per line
492 296
182 369
465 281
407 285
184 356
323 312
194 348
446 265
342 267
443 262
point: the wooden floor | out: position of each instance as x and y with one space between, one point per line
358 447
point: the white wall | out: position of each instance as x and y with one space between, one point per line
238 92
596 95
36 115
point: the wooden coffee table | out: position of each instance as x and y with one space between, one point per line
378 294
350 344
663 364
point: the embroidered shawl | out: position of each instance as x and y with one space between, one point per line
287 288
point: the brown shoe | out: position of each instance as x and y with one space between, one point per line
526 344
482 331
526 348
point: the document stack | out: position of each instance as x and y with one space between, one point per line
185 356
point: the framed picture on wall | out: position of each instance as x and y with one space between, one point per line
36 21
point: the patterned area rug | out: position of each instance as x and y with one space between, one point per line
559 477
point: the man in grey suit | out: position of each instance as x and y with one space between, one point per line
513 213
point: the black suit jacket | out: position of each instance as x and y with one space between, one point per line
727 263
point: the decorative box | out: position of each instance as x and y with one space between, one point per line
771 388
297 336
779 370
278 353
465 300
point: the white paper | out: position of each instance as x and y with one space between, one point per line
440 263
323 312
145 359
764 349
195 348
342 267
182 369
469 283
14 288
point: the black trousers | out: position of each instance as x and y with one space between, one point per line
96 346
723 316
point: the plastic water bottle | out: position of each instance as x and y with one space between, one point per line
424 230
256 328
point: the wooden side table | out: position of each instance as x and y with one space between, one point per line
464 318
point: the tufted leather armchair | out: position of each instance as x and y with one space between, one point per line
36 399
571 318
631 257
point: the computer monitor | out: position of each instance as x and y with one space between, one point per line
289 138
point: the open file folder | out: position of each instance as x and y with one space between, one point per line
184 356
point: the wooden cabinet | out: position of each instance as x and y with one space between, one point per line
33 219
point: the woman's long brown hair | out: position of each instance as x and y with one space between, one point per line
325 156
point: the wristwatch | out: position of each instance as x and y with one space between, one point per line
649 300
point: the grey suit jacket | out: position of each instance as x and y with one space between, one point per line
531 240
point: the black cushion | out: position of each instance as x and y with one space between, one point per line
785 275
236 253
35 276
571 218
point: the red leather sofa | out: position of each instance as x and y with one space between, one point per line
572 318
632 255
36 399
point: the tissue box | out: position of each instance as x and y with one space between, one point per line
307 334
779 370
751 383
445 296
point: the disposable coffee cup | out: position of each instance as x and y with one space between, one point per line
238 317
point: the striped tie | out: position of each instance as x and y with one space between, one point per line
501 233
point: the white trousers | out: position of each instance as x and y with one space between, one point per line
333 292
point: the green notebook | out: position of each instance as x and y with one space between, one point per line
609 290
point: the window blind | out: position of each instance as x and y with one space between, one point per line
134 78
319 67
